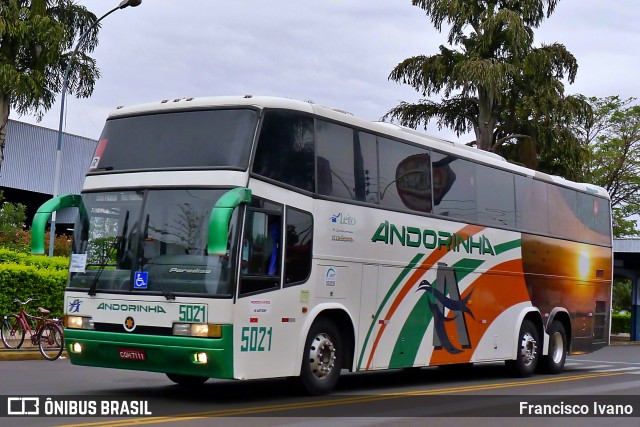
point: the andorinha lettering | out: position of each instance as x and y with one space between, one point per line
131 307
415 237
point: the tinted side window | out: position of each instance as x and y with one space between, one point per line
531 205
602 221
335 151
454 187
298 246
405 176
496 198
587 217
366 167
285 149
563 221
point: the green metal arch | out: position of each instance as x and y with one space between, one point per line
220 216
41 218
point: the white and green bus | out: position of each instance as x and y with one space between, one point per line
255 237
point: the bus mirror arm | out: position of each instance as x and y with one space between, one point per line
41 218
219 221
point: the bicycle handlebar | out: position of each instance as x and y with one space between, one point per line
25 302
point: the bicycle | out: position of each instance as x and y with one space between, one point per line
45 332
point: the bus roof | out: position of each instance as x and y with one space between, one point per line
384 128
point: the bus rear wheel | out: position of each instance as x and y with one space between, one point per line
187 380
553 362
322 358
528 351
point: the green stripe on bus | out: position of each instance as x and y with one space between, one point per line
406 348
507 246
396 283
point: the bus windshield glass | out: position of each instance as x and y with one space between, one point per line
176 140
152 241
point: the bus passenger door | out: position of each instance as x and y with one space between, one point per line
263 319
367 329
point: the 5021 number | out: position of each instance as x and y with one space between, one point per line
256 338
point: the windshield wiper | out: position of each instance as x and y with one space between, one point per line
94 283
165 292
116 241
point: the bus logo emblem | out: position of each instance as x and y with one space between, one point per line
445 293
140 279
129 324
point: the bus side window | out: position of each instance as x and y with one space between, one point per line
261 248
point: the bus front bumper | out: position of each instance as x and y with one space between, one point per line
166 354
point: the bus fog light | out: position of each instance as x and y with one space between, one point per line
76 347
78 322
200 358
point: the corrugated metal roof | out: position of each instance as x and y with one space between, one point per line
626 245
30 158
30 153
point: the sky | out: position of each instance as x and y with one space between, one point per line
337 53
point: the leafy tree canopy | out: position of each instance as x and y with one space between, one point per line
36 40
494 82
610 137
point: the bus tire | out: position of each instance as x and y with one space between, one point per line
528 351
187 380
322 358
553 362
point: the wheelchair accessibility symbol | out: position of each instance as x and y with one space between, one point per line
140 279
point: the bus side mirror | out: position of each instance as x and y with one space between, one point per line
43 214
220 216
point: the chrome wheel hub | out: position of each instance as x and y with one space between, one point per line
528 349
322 356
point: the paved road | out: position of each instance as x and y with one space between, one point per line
479 395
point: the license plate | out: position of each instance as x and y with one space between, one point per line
132 354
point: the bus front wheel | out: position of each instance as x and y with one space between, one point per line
187 380
528 351
322 358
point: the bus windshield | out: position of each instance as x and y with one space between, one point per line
152 241
184 139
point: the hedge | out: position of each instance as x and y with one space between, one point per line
39 261
621 323
24 276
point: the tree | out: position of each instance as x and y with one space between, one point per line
611 141
496 83
36 41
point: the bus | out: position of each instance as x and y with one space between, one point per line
258 237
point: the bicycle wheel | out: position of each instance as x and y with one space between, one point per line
12 331
51 341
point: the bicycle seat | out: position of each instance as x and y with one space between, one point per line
43 310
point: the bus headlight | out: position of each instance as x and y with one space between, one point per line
78 322
205 330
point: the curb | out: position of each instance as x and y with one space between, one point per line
15 355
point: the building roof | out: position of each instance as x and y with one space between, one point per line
30 158
628 245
